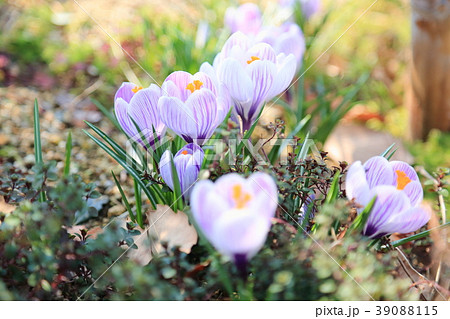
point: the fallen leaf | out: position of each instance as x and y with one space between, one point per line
164 226
4 207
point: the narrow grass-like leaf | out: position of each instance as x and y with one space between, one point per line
276 150
361 220
68 154
386 152
109 115
124 198
37 144
117 149
417 236
333 192
127 167
177 200
137 195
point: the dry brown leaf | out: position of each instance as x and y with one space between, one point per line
4 207
165 226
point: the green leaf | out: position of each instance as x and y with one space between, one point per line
177 196
418 236
37 144
360 221
137 195
68 154
333 192
124 198
128 168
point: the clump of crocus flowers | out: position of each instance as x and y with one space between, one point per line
397 192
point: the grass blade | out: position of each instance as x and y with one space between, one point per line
128 168
68 155
137 195
106 113
360 220
37 143
333 192
417 236
124 198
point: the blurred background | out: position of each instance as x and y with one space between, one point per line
67 55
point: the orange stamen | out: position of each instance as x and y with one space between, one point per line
240 198
253 59
136 89
185 152
402 179
196 85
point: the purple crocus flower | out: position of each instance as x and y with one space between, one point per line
235 213
287 38
192 106
187 162
252 74
141 105
246 18
398 193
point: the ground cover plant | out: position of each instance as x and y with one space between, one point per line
215 183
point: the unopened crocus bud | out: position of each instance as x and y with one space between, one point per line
187 161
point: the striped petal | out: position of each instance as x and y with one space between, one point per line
389 203
125 91
379 172
178 117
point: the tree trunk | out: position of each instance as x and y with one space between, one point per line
430 101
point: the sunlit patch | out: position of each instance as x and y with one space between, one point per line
253 59
402 179
185 152
240 197
196 85
136 89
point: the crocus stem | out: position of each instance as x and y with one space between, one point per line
240 260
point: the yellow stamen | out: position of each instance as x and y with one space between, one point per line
196 85
185 152
240 198
136 89
253 59
402 179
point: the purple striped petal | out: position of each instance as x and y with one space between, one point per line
239 232
144 109
181 80
262 74
121 111
165 168
414 191
379 172
125 91
178 117
407 221
207 205
356 186
284 75
264 52
266 192
203 105
236 39
389 202
405 168
237 81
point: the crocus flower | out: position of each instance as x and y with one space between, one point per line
192 106
246 18
187 162
235 213
141 105
398 193
287 38
252 74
